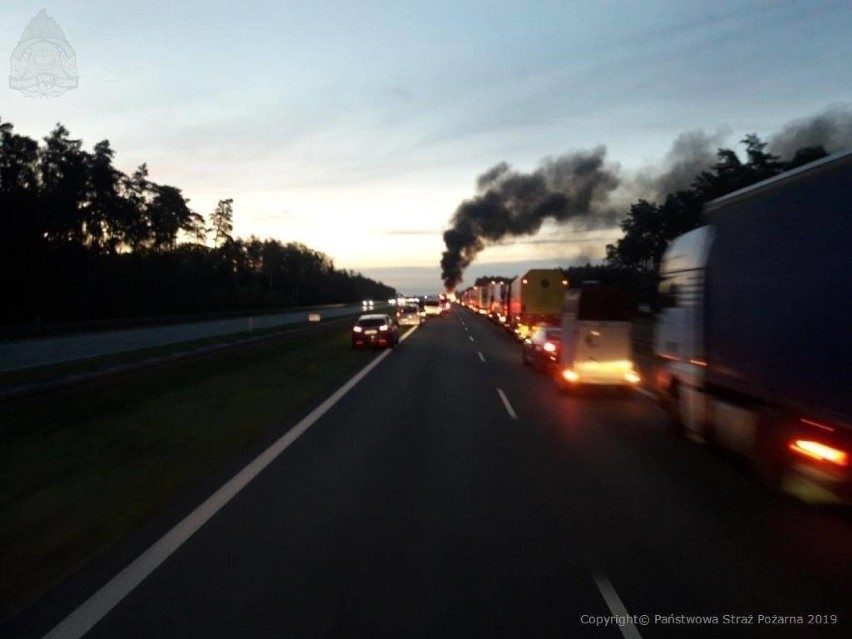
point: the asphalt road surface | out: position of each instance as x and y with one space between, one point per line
30 353
455 493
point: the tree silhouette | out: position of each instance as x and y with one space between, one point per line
222 222
168 213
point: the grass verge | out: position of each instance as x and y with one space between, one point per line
82 467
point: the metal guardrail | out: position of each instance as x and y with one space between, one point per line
13 390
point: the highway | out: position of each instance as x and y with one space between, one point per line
455 493
30 353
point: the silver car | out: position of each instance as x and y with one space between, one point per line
408 315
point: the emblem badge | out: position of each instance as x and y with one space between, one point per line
43 64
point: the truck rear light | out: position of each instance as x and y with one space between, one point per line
820 452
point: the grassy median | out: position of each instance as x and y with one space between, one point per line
83 467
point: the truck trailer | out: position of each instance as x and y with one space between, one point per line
535 299
498 293
755 341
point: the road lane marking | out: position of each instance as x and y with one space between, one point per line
642 391
616 606
506 404
481 356
470 337
405 336
96 607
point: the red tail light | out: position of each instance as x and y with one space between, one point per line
820 451
570 376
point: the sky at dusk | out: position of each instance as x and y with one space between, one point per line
357 128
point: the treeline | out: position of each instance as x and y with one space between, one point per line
82 240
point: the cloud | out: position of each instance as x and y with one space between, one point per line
690 153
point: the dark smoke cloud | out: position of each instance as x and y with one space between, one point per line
831 130
691 153
581 189
574 187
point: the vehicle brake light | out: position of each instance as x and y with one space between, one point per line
383 327
550 347
357 329
570 375
821 452
632 377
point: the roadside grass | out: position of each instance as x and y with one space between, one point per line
82 467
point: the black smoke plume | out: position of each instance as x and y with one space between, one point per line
574 187
691 153
832 130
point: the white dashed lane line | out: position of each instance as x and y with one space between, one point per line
481 356
617 607
506 404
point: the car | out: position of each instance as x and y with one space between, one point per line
375 330
408 315
541 349
433 308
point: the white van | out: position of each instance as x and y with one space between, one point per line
596 338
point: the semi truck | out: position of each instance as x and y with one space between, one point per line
596 338
480 298
754 344
498 293
535 299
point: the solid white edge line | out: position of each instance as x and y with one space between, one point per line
616 606
96 607
481 356
413 328
506 404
